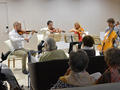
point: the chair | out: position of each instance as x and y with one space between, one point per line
11 57
44 75
109 86
40 37
96 64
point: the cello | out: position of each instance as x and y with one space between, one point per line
108 41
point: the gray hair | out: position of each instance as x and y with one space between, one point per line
16 23
51 44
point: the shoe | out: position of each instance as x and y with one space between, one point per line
25 71
4 56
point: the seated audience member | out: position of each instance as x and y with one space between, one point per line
76 76
88 45
7 75
51 51
112 74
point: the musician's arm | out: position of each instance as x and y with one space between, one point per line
72 30
12 38
31 34
51 31
58 30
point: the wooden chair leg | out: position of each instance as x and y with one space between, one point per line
9 63
13 62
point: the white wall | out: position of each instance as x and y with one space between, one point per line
92 14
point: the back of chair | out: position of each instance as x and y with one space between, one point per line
45 74
96 64
9 44
40 37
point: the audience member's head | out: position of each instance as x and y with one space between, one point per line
112 57
78 61
17 26
111 22
50 44
88 41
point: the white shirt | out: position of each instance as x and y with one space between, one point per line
17 40
45 31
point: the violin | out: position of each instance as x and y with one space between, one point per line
21 32
53 30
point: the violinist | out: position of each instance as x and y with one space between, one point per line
50 29
17 39
79 31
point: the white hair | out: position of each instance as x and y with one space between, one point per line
16 23
51 44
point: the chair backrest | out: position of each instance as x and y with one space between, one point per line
9 44
96 64
45 74
87 33
109 86
90 52
40 37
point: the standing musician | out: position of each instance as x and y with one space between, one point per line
79 31
111 36
17 39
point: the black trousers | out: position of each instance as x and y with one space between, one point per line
40 46
10 78
74 43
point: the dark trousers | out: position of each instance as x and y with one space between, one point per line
74 43
40 46
10 78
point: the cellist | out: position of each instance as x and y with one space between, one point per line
111 36
112 26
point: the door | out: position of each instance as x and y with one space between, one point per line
3 23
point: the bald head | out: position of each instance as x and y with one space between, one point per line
17 26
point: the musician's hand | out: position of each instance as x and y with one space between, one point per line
26 39
72 30
33 31
51 31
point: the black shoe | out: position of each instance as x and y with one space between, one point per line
4 56
25 71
